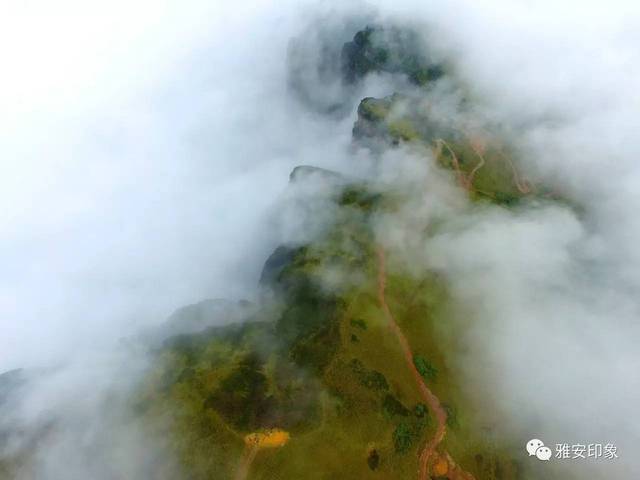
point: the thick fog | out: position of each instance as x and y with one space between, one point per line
551 323
144 148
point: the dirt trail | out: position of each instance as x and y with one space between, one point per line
248 457
466 181
462 179
432 401
523 186
479 149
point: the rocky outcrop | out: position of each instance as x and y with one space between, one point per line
390 50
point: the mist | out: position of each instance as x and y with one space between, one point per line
141 151
144 150
551 317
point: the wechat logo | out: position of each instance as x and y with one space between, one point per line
536 447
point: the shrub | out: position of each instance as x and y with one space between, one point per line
358 323
373 460
403 438
425 368
391 406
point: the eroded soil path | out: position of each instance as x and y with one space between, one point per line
478 145
463 181
248 457
450 468
479 148
523 186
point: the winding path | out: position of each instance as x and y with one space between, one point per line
248 457
466 181
462 179
429 397
523 186
478 148
428 455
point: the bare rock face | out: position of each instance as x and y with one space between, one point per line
206 313
276 263
370 124
382 122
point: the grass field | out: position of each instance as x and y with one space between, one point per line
363 416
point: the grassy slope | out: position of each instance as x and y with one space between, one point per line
350 419
338 349
306 355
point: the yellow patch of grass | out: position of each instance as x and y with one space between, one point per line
270 439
